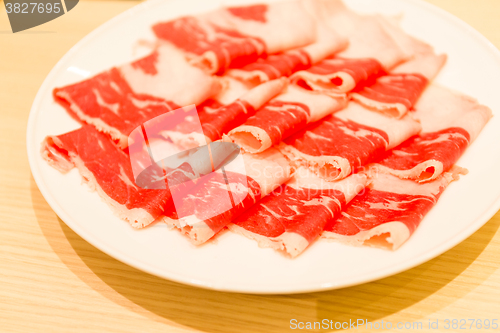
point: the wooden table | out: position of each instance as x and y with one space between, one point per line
51 280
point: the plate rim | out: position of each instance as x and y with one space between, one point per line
473 226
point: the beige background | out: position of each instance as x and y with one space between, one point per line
53 281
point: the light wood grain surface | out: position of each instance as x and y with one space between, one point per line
51 280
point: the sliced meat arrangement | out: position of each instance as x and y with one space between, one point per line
370 53
376 45
273 66
387 213
450 123
396 93
286 63
294 214
217 119
284 122
109 102
342 143
166 74
339 75
139 187
236 36
221 196
232 89
283 116
107 169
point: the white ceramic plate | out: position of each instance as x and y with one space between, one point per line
234 263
